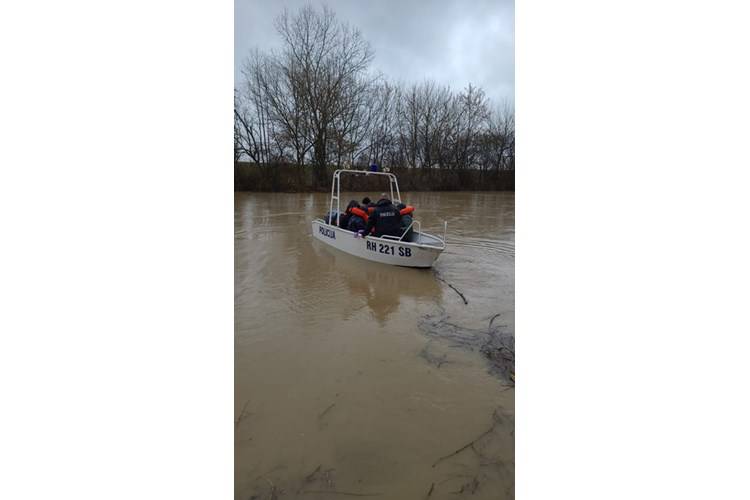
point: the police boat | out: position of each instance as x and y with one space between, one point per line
411 249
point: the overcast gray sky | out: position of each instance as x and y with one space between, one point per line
453 42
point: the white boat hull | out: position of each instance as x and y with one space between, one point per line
421 253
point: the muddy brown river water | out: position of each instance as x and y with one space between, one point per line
354 378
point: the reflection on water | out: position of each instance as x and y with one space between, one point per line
337 387
382 287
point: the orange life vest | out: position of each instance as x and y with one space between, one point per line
359 212
409 209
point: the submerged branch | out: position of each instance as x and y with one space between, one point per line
437 275
432 487
326 410
495 342
489 328
467 445
242 415
311 477
496 419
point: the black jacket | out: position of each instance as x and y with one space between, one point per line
385 219
356 223
344 220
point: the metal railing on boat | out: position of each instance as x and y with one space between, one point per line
336 187
418 232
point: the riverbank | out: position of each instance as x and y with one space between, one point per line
292 179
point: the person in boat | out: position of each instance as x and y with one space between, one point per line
357 220
367 203
385 219
407 218
330 217
344 219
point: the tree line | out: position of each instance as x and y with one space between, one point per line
317 102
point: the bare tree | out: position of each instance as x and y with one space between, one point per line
328 59
471 123
499 149
253 111
383 123
315 102
352 126
275 90
408 117
238 132
246 133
